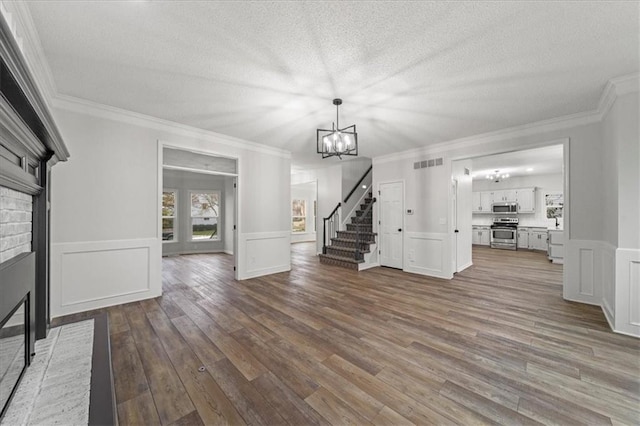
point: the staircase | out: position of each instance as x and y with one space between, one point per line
341 251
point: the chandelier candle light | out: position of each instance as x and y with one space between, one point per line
337 141
497 176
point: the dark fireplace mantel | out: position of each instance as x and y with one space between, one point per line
30 144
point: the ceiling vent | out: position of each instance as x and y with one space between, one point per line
428 163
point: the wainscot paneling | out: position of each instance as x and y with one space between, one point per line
264 253
425 254
627 313
583 268
92 275
608 283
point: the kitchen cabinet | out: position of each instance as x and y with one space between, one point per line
482 201
481 235
526 199
538 239
556 246
504 195
523 238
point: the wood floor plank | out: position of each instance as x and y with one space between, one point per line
168 392
140 410
334 410
497 344
211 403
129 377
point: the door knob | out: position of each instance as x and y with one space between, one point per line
399 229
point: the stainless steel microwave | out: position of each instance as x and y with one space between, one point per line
504 208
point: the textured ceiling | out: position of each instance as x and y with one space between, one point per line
410 73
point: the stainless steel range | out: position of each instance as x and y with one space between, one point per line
504 233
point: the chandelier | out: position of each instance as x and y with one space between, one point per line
337 141
497 176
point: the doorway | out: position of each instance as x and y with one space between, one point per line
199 203
391 227
534 178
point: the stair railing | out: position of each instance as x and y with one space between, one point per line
357 184
355 197
359 255
331 227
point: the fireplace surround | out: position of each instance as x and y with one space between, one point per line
30 145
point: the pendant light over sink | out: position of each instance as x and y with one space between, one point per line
337 142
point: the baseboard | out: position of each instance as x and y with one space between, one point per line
465 266
608 314
365 266
194 252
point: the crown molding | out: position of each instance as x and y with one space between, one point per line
615 87
83 106
27 36
529 129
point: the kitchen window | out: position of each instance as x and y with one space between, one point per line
205 207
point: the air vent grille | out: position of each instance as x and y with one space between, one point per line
434 162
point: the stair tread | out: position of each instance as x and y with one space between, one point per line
354 232
347 240
341 258
349 249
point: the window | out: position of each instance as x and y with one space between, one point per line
299 216
169 216
204 215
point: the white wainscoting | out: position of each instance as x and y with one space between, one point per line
583 265
425 253
608 279
95 274
264 253
627 309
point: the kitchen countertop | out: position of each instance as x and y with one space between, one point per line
539 226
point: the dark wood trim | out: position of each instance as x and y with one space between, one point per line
40 245
17 67
17 281
102 407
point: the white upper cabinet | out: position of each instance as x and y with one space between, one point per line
482 201
526 198
505 195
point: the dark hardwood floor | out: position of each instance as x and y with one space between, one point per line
324 345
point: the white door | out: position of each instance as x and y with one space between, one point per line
391 224
454 220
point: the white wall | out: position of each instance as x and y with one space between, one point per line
427 190
184 182
105 228
544 184
621 225
307 192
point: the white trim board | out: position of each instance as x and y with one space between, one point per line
264 253
89 275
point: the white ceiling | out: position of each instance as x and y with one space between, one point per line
539 161
410 73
